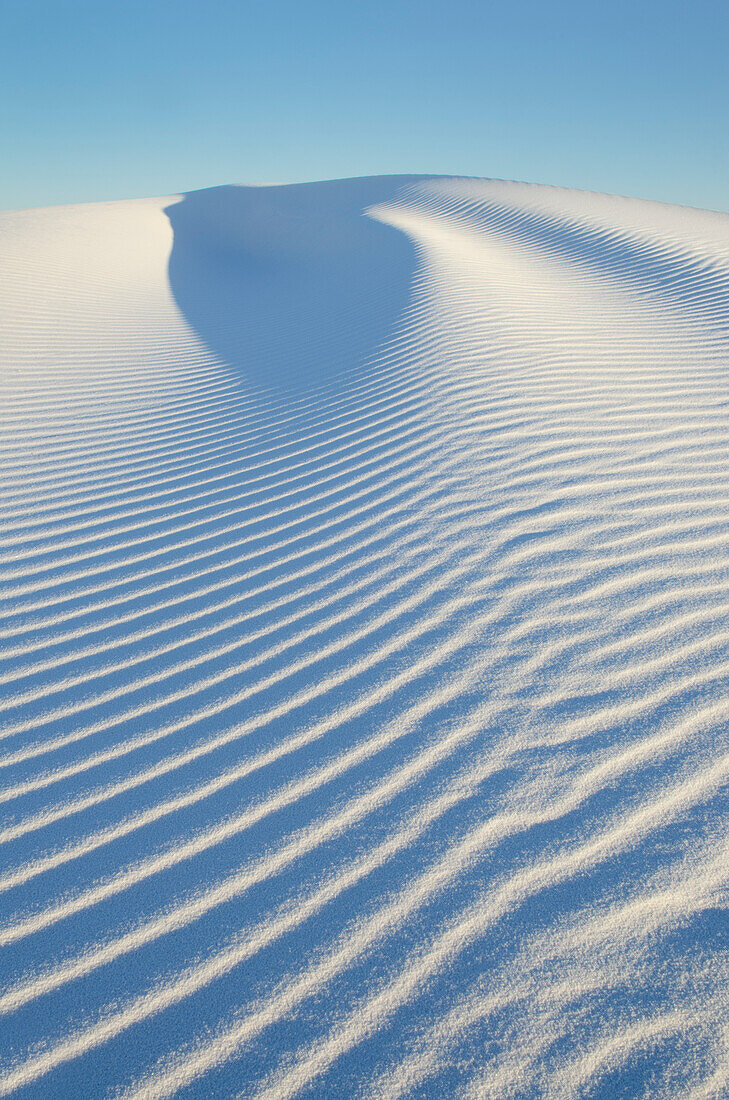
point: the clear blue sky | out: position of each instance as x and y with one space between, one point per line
104 99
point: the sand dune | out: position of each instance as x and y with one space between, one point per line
365 645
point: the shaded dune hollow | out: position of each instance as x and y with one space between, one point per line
364 557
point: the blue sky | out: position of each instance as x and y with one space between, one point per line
115 100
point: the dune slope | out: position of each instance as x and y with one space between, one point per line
365 645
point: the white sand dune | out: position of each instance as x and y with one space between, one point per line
365 645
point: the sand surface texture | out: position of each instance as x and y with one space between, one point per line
365 645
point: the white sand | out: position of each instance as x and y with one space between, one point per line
365 645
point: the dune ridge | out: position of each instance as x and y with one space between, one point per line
365 652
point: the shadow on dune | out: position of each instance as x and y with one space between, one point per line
295 285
